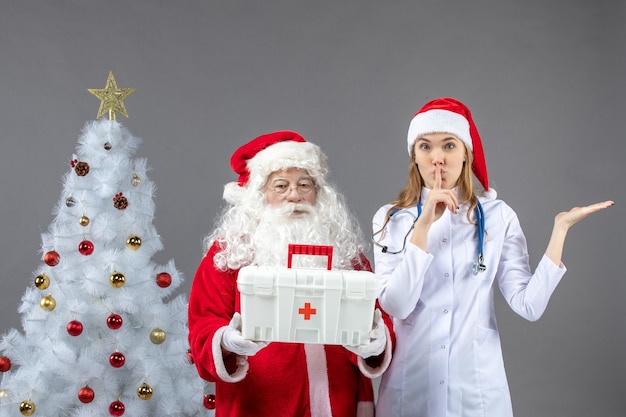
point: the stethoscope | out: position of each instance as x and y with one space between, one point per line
479 263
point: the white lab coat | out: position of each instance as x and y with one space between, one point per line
448 360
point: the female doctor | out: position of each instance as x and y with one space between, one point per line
439 247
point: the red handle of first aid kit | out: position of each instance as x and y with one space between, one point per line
321 250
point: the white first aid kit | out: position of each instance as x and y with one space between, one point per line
307 305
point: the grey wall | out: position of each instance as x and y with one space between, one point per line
544 80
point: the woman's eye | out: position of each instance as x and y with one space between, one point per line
450 146
423 146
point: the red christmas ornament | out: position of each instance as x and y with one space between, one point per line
163 279
116 408
85 247
5 364
114 321
74 328
209 401
51 258
190 357
117 359
86 395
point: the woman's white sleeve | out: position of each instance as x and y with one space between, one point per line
526 293
400 276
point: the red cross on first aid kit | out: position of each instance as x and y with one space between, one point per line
307 305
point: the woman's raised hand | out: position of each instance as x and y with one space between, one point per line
569 218
563 221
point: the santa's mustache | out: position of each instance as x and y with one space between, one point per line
289 209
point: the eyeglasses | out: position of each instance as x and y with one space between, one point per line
282 187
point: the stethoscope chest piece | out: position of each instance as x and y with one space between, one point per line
479 264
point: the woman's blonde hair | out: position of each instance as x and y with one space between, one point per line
412 192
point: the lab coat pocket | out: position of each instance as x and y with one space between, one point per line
489 365
497 402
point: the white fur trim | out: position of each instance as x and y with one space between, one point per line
218 359
233 193
439 121
490 194
370 372
288 154
365 409
317 370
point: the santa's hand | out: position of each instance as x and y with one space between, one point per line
233 341
377 342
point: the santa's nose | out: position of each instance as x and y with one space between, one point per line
294 195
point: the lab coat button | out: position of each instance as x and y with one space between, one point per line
446 275
442 382
445 311
443 346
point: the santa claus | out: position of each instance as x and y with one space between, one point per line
281 197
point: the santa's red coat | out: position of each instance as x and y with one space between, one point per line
282 379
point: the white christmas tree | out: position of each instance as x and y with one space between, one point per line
104 333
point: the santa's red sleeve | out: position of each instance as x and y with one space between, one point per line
212 303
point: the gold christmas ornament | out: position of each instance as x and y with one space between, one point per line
83 221
144 391
136 180
157 336
117 279
27 408
42 281
70 202
48 303
133 242
111 98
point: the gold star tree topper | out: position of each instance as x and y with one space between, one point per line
111 98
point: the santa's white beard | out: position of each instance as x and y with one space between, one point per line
290 223
253 232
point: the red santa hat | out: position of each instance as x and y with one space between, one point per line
257 159
448 115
